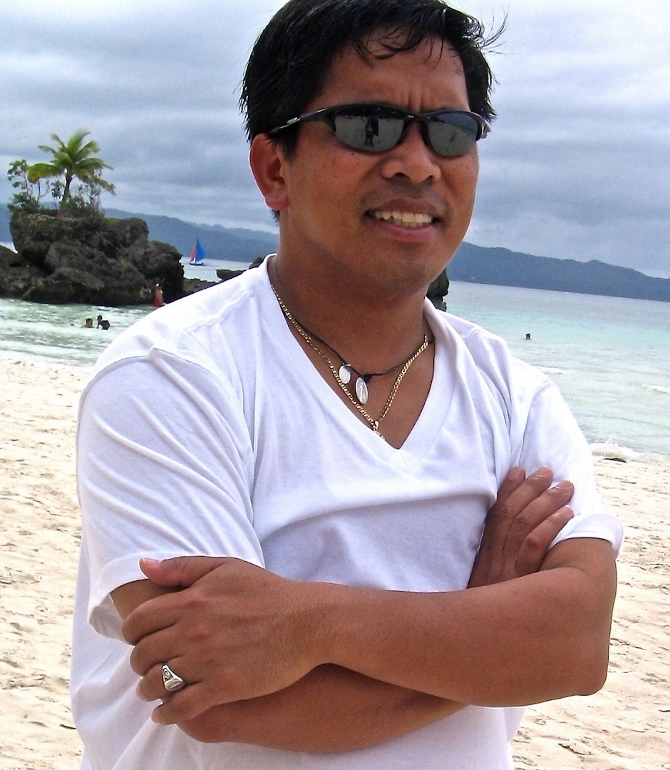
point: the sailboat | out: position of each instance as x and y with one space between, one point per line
197 254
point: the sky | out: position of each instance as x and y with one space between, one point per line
577 165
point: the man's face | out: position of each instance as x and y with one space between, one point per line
394 216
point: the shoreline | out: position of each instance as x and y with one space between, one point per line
624 727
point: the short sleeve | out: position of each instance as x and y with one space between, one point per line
552 437
164 468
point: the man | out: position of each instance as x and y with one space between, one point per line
344 441
103 323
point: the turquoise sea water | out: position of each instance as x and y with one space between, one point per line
55 332
609 356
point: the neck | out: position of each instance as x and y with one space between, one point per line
367 326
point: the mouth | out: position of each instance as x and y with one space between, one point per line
406 219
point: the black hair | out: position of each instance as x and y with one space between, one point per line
291 58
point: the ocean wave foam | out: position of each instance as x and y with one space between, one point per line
658 388
25 360
609 450
551 370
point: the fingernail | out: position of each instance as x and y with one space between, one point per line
516 474
149 562
564 485
543 473
565 512
140 694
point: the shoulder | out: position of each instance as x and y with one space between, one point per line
495 380
204 341
197 328
488 354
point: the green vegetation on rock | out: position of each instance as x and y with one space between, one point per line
72 176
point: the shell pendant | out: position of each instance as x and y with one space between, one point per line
361 391
345 374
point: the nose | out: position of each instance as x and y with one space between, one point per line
412 159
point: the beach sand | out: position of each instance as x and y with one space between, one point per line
624 727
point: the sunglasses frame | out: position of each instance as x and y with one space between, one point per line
327 115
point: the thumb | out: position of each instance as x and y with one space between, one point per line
181 571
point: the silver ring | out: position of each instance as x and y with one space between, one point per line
171 681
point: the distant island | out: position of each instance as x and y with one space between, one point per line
502 267
472 264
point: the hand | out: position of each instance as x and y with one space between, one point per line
235 632
526 517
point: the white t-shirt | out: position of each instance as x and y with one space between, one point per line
206 430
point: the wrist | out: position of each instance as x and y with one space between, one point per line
324 625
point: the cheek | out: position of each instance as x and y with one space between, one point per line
318 197
335 184
464 179
470 168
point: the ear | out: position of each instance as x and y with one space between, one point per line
267 165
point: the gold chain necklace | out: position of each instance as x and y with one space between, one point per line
374 424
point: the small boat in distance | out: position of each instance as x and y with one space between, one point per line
197 254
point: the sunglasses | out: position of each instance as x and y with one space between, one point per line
376 128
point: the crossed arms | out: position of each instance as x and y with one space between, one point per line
324 667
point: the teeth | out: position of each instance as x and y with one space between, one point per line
403 218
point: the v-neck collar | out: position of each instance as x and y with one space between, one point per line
433 413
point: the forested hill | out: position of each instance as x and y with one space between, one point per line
502 267
474 264
218 242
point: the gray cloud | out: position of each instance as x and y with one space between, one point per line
578 163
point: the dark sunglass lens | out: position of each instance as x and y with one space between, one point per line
453 133
368 132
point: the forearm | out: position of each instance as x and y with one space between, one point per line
238 632
330 710
535 638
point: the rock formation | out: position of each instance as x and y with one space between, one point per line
87 259
438 290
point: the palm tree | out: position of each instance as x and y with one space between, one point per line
73 159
